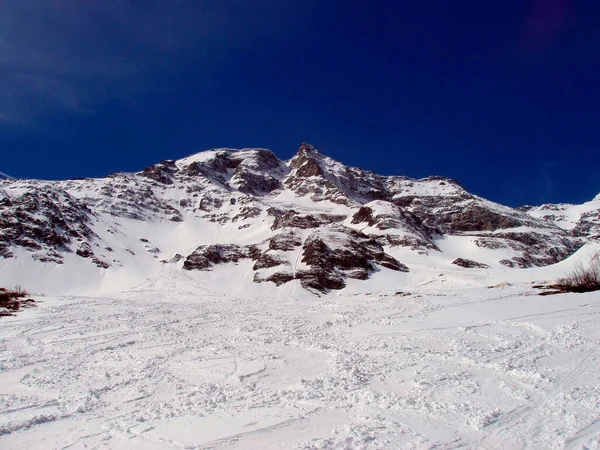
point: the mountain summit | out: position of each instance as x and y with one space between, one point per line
310 222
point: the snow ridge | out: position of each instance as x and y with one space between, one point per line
127 227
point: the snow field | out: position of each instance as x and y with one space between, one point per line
197 368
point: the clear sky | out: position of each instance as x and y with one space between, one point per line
502 95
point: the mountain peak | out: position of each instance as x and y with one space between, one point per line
308 148
306 163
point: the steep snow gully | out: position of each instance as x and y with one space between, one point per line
233 300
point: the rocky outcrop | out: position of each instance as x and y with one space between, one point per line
286 241
364 215
581 221
128 196
335 253
253 171
588 225
161 173
259 175
277 278
322 178
399 227
269 260
44 221
206 256
460 213
292 219
329 256
469 264
536 249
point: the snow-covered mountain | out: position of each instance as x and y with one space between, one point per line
580 220
182 307
310 221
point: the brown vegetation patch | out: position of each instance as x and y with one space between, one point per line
12 300
583 278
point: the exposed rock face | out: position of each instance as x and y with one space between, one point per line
477 218
46 222
310 219
321 178
397 226
330 255
255 172
292 219
538 249
460 213
258 176
278 278
161 173
364 215
268 260
206 256
335 253
581 221
588 225
469 264
286 241
84 250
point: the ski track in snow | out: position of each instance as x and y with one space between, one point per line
466 368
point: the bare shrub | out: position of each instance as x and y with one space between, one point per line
583 278
10 300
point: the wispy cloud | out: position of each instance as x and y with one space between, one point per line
69 55
545 21
45 61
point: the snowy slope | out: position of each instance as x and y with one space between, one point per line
233 300
580 220
283 220
180 362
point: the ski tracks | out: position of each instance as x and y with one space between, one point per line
366 371
544 422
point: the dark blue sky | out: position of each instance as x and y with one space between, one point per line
501 95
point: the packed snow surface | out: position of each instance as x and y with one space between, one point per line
435 358
187 306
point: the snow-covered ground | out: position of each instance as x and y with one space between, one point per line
430 359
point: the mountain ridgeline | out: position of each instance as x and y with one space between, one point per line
310 220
